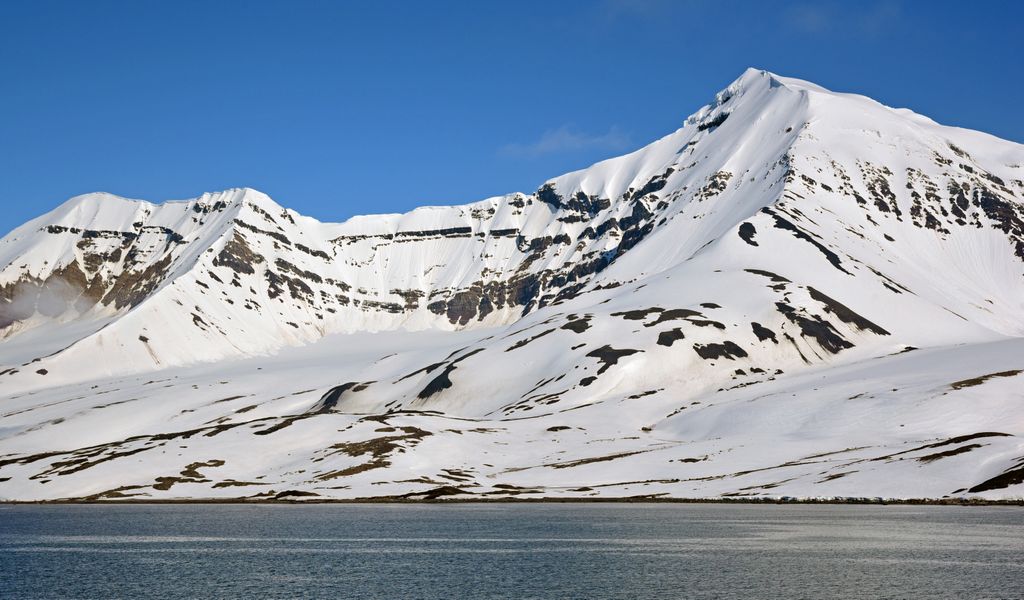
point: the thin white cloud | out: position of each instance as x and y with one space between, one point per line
623 13
643 8
881 17
566 139
811 18
860 18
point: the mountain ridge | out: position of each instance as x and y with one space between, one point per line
600 194
744 265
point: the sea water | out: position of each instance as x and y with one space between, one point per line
557 550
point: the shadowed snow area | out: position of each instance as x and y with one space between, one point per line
798 293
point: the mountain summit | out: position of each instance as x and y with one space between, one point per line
799 292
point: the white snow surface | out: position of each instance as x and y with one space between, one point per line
798 293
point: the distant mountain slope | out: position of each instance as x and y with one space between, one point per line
720 290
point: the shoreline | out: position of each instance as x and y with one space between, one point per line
444 501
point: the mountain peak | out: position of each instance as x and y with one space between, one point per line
90 203
754 76
88 206
749 78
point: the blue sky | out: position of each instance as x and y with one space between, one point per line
342 108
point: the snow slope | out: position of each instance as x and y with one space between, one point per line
798 292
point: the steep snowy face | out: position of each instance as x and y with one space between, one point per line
775 195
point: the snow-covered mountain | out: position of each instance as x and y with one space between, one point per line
798 292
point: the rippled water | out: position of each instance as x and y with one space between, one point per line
511 550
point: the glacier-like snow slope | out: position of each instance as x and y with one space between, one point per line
798 293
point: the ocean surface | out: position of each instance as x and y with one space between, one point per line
511 551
